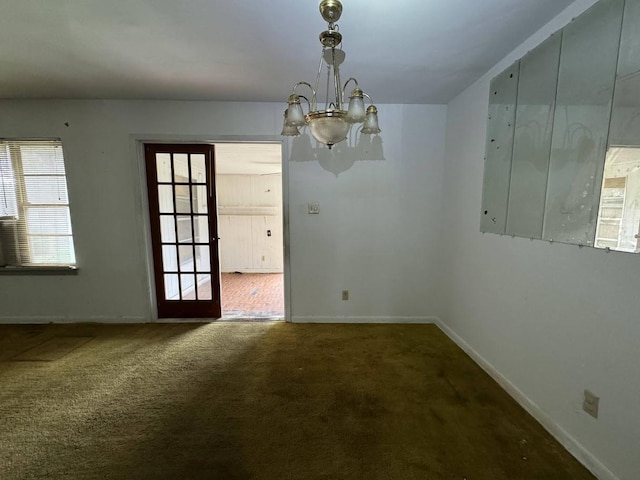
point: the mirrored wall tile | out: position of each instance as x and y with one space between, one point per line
532 144
581 123
500 134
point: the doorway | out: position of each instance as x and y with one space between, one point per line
250 225
216 218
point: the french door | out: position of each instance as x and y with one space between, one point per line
182 210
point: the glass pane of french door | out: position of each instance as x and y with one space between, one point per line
184 232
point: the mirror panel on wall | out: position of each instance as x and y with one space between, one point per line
583 107
625 121
532 143
619 215
497 167
572 170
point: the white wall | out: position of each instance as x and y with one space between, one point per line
548 320
376 234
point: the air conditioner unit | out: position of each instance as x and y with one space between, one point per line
9 246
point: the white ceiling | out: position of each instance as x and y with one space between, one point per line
402 51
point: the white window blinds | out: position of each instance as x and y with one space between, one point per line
35 224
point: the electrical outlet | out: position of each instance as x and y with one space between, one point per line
590 403
345 294
313 208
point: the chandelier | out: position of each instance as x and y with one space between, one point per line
331 123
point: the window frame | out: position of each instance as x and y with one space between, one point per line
14 151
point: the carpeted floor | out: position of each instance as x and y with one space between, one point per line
259 401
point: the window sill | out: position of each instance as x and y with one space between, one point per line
40 270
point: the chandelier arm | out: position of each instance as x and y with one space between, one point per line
308 102
344 88
364 94
313 94
303 83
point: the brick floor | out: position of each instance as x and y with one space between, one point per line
248 295
252 295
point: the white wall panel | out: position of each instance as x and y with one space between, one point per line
236 243
266 190
245 243
267 250
233 190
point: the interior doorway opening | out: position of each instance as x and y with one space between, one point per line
248 182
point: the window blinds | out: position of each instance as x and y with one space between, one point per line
35 223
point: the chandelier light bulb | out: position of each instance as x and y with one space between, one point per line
295 115
287 129
356 112
371 121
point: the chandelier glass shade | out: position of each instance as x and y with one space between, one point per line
331 123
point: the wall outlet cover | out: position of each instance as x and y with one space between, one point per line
591 403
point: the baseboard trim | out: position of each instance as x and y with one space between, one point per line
364 319
571 444
38 320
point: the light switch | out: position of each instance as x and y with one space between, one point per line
314 208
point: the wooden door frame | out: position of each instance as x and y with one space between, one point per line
138 169
192 308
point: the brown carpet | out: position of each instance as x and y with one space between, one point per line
261 401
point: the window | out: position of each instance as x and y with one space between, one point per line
35 223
